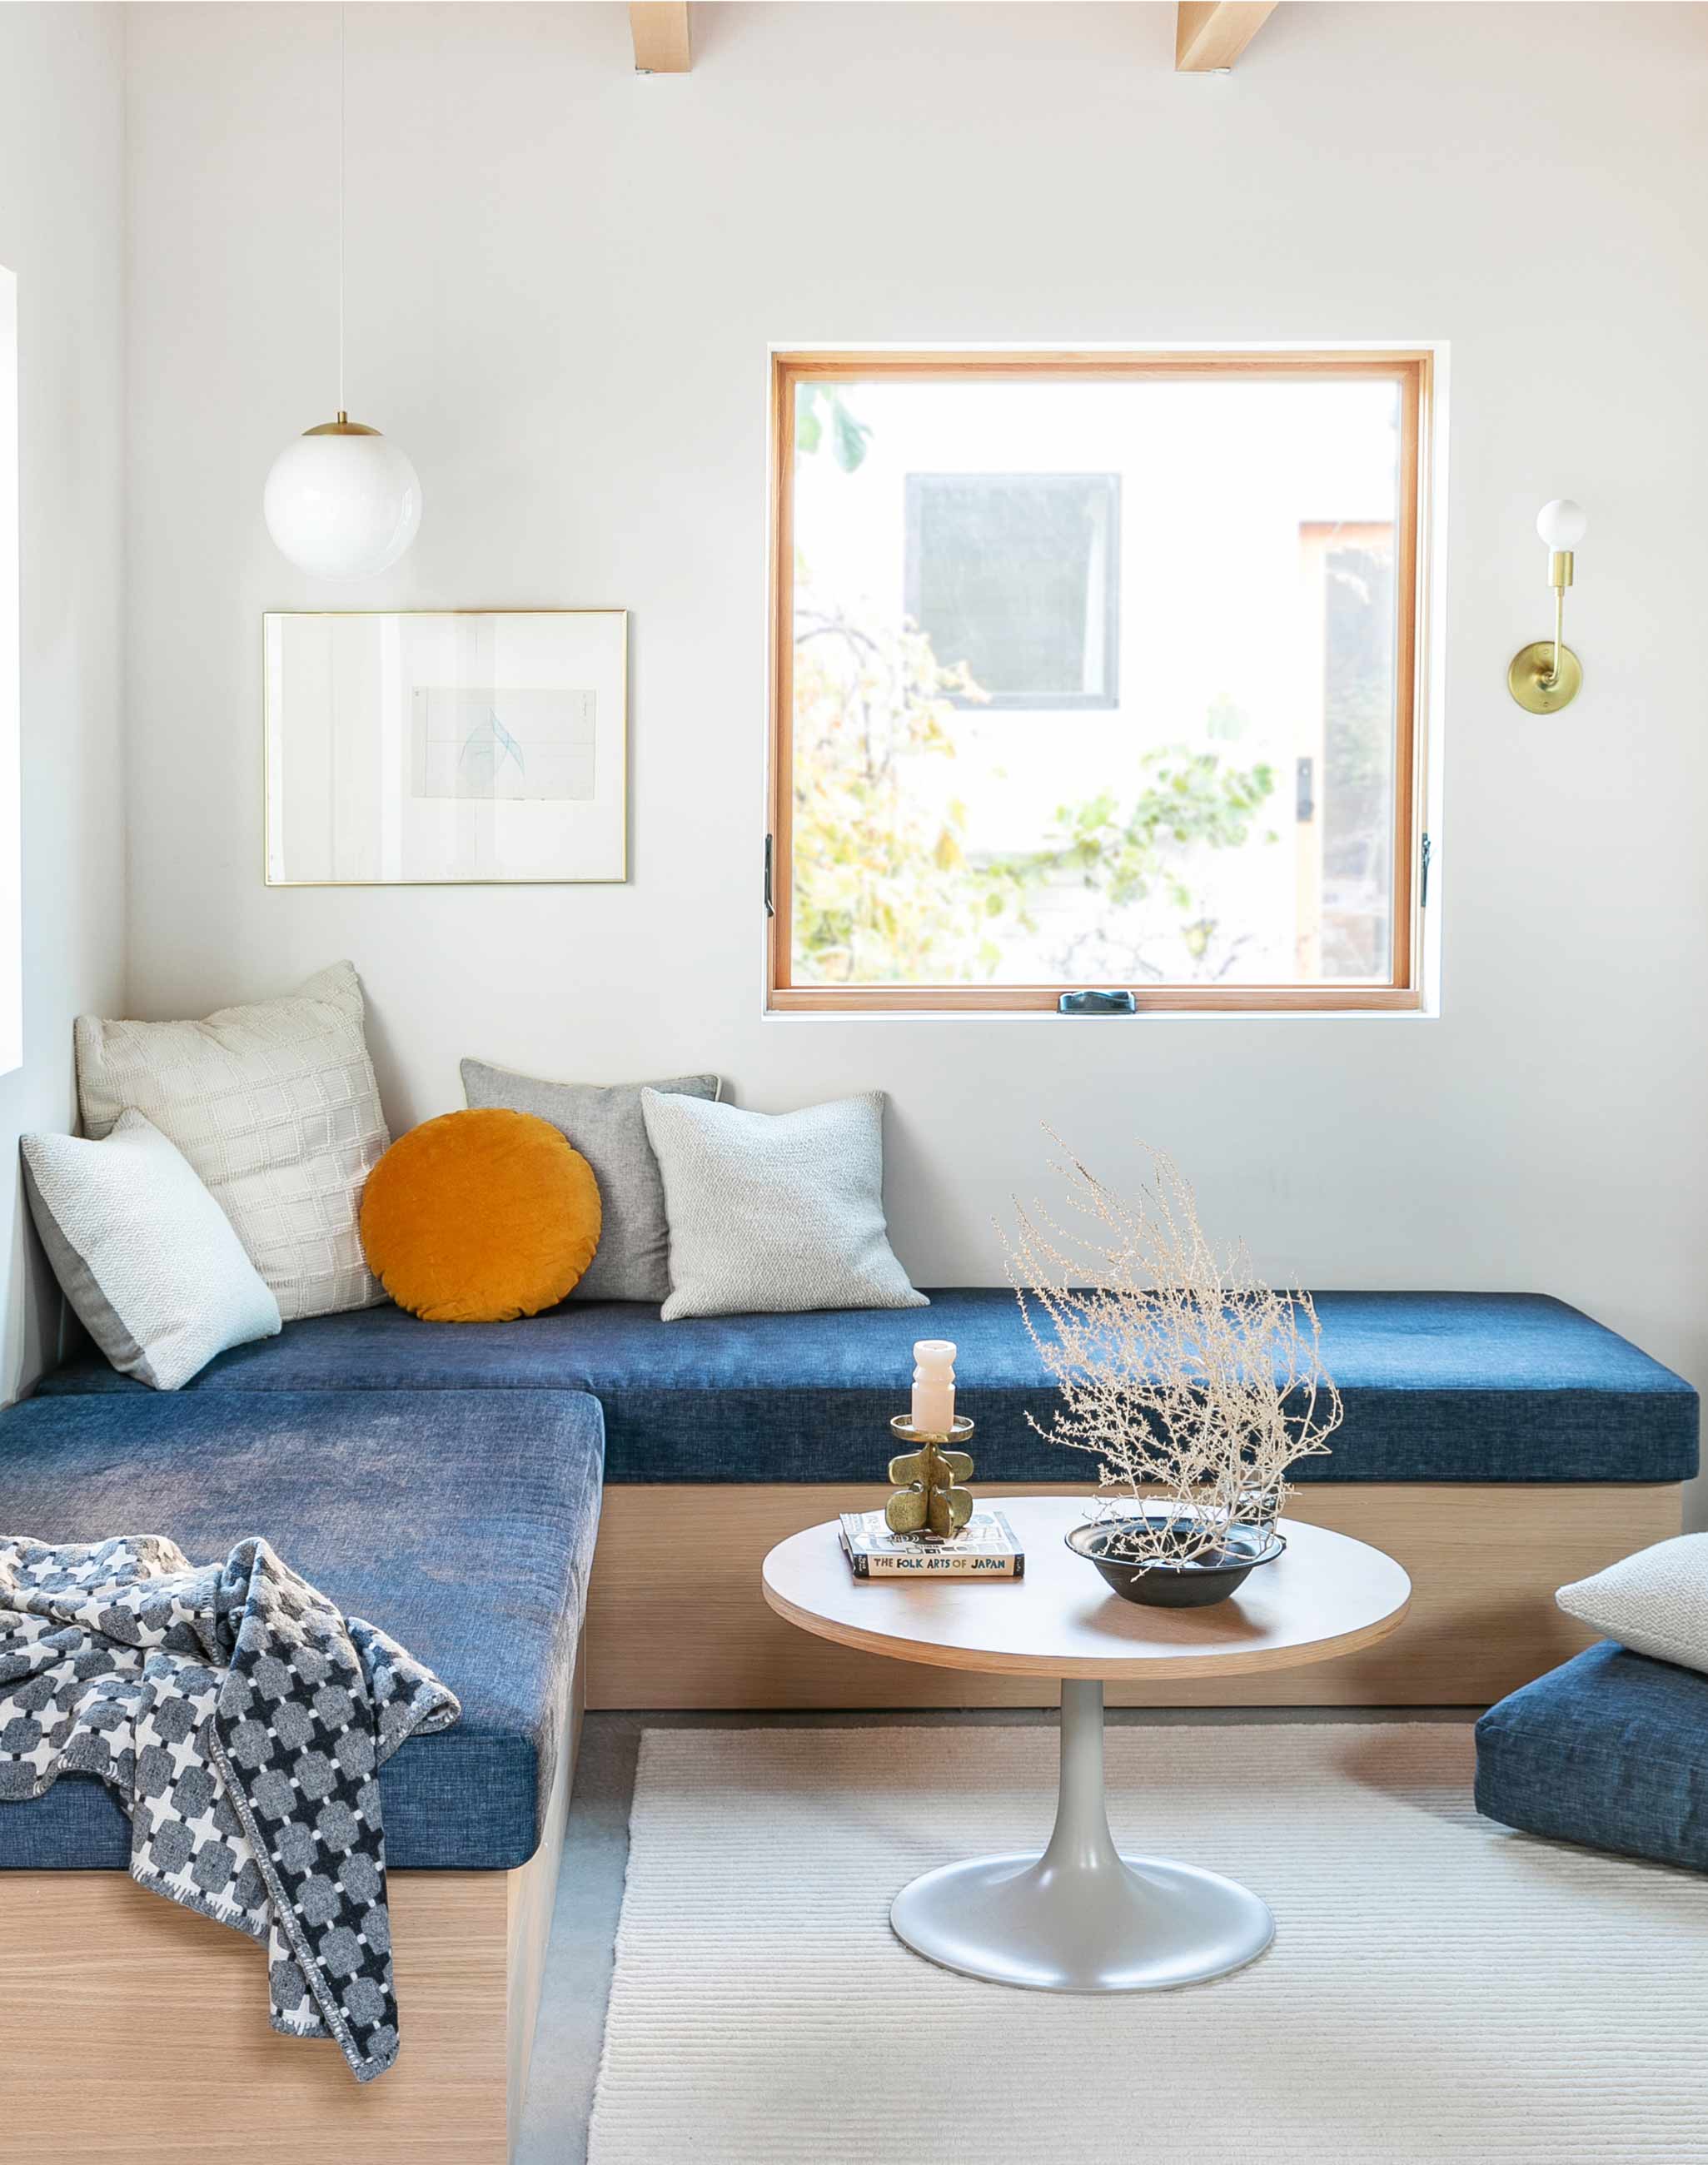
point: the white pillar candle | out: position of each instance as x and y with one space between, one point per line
934 1386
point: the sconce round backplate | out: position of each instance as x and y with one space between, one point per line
1527 678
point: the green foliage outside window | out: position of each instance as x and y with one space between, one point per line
885 891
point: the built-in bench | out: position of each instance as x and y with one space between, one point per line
445 1480
1482 1387
463 1523
1498 1444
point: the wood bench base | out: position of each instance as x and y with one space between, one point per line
675 1619
135 2029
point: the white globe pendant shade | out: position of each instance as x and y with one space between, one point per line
342 501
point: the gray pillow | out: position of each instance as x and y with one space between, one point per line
146 1256
773 1213
604 1123
1655 1602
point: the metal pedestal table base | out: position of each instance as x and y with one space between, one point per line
1081 1918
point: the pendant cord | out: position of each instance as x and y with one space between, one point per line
340 209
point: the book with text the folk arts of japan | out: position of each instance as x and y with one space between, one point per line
984 1548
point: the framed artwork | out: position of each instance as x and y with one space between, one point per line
437 746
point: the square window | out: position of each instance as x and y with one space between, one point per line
1097 670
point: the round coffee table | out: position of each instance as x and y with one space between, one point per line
1081 1917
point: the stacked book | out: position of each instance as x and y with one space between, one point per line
984 1548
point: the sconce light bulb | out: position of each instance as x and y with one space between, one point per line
1562 523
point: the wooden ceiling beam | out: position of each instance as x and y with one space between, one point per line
1211 34
660 31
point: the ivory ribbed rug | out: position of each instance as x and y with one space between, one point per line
1440 1992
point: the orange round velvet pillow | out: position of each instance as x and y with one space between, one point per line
480 1216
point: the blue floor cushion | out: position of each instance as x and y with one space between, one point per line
1438 1386
461 1522
1611 1749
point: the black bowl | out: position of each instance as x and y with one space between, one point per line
1191 1583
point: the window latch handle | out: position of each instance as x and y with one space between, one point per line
1090 1003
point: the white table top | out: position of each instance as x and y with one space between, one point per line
1327 1595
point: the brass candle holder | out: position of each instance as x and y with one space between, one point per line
928 1499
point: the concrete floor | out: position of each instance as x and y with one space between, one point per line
567 2042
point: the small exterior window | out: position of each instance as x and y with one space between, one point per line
1013 579
1097 671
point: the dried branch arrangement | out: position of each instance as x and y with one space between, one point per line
1189 1380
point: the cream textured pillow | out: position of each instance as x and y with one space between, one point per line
773 1213
276 1107
146 1256
1655 1602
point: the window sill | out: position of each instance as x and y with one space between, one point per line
1028 1003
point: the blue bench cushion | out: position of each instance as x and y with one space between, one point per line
462 1522
1438 1386
1612 1750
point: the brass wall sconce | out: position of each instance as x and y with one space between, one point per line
1546 675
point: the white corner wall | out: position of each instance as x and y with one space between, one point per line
62 232
563 279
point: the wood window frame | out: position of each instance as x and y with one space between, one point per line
1413 371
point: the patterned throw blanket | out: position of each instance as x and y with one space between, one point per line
242 1721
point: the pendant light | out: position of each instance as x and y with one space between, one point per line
342 501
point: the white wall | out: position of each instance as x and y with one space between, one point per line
563 281
61 228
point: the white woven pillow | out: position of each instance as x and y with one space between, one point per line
1655 1602
276 1107
146 1256
773 1213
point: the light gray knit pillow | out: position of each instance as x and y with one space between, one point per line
1655 1602
773 1213
276 1107
146 1256
604 1123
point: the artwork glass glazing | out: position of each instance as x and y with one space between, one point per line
447 746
